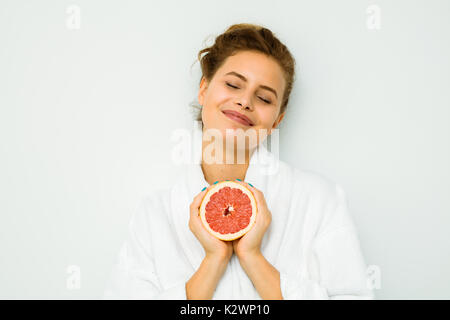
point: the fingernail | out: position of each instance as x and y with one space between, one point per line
238 179
204 189
215 182
250 184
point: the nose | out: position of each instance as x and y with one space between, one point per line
242 105
245 102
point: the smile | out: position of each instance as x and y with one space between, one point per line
237 119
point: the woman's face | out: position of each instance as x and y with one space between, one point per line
248 82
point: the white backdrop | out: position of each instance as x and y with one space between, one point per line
90 92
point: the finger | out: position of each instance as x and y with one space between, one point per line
249 186
199 197
195 205
257 193
246 184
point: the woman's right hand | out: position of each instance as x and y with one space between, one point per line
213 247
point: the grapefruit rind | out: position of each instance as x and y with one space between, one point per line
214 189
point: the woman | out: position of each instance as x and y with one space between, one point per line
303 245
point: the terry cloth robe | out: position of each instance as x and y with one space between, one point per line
311 241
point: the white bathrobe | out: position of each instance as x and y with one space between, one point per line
311 241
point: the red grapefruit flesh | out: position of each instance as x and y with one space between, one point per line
228 210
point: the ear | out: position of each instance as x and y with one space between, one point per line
201 92
277 122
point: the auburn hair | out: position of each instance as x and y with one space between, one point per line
242 37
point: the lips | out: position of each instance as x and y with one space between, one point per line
239 116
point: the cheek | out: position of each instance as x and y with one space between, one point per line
267 117
218 94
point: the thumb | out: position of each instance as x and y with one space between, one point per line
195 206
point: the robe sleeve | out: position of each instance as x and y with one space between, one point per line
133 275
337 257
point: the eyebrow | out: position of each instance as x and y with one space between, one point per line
245 79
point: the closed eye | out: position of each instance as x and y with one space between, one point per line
234 87
266 101
231 86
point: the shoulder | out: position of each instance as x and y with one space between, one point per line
324 193
309 182
154 198
330 199
326 199
315 182
150 204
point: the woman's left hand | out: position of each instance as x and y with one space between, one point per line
250 243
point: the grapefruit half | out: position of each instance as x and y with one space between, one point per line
228 210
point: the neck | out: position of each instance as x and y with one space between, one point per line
224 171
